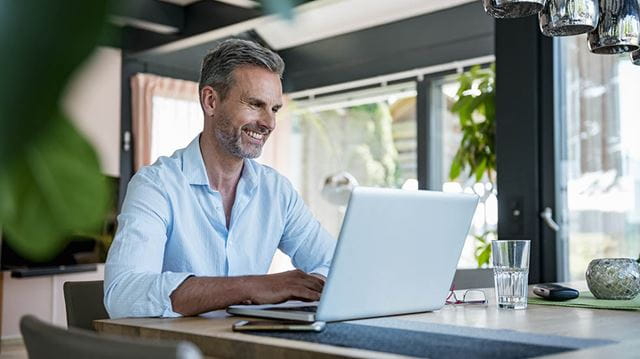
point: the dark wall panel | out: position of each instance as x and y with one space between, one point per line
524 102
460 33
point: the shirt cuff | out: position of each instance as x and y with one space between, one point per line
323 270
171 281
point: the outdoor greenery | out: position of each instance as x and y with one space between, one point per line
358 139
476 156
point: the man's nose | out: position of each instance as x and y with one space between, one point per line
268 120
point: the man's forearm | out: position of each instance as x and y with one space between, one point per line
203 294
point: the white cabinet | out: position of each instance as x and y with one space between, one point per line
39 296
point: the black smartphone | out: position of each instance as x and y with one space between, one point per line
248 325
556 292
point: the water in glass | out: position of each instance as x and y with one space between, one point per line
511 287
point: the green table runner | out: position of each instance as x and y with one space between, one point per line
587 300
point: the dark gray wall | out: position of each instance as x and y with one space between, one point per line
457 33
524 140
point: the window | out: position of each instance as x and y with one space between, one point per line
600 155
367 137
445 136
175 122
370 137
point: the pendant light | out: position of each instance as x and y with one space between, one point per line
512 8
635 57
569 17
618 29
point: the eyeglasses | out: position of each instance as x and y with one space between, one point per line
470 296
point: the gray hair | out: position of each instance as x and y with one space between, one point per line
219 63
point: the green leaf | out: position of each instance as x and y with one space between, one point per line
479 171
480 239
459 104
42 43
456 168
483 257
476 152
54 191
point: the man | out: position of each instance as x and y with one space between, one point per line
199 229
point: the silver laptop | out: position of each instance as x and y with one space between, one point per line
396 254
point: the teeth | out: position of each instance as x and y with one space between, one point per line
255 135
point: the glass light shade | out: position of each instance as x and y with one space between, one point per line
512 8
569 17
618 30
635 57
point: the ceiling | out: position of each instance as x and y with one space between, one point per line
195 22
199 25
331 18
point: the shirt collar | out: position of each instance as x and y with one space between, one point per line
249 174
193 164
196 173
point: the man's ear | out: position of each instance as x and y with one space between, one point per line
209 99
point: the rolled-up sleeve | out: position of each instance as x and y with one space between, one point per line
135 285
304 239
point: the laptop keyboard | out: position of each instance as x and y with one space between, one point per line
308 309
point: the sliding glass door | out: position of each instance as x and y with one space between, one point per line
599 155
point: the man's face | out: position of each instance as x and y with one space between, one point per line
243 121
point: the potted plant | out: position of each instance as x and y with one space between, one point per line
475 158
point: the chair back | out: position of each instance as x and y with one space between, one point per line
43 340
84 302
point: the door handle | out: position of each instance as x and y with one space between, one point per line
547 217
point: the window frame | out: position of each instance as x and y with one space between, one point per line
526 141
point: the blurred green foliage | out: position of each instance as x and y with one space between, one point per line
50 181
476 155
476 111
359 140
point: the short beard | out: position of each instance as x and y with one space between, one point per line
232 141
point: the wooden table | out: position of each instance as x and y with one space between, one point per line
215 338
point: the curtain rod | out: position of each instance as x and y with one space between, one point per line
384 79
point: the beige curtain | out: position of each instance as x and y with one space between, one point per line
143 88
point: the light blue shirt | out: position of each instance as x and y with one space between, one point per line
172 226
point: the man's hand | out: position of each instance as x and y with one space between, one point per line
317 275
201 294
280 287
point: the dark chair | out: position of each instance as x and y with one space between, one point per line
473 278
43 340
84 302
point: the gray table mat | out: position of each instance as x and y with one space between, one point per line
425 344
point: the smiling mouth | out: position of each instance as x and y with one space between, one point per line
254 135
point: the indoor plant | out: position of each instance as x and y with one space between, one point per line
476 155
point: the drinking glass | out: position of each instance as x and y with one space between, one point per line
511 272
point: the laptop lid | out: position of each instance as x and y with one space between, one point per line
397 253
